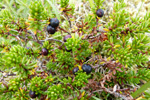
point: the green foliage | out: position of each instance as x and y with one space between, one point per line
133 76
18 61
48 46
21 94
49 79
5 19
38 13
119 6
14 57
14 84
73 43
54 8
65 61
64 3
80 79
141 74
51 66
91 18
84 52
122 22
55 92
24 9
37 10
78 46
95 4
67 7
117 50
126 41
37 84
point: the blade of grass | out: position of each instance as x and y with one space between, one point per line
141 90
22 3
54 9
24 9
91 3
10 8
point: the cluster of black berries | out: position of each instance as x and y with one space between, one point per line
51 29
54 23
86 68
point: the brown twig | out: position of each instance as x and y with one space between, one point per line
52 40
38 40
68 20
63 30
8 33
118 94
5 85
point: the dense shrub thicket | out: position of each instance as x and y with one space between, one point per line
47 54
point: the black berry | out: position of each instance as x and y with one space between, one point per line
50 29
68 50
127 29
100 12
32 94
87 58
87 68
66 37
28 48
44 51
75 70
54 22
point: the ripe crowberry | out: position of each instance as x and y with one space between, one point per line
54 22
66 37
87 68
28 48
32 94
75 70
50 29
100 13
87 58
68 50
44 51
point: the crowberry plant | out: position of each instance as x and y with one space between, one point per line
52 50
